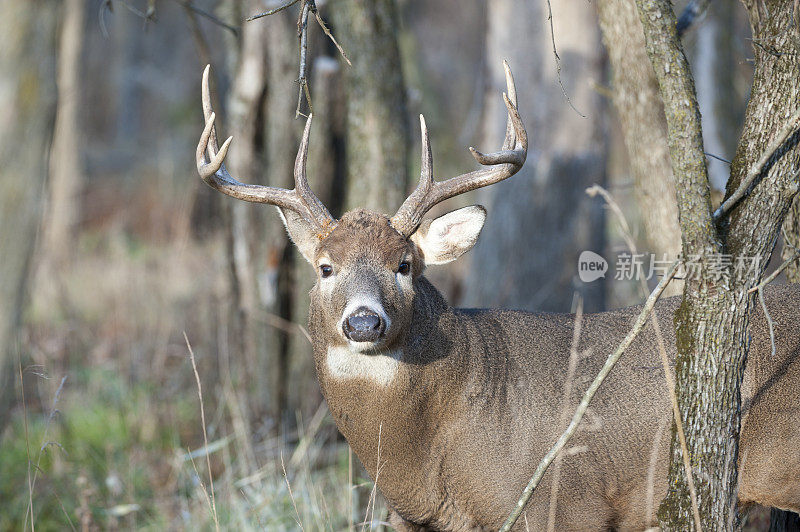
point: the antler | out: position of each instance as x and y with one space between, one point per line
504 164
300 199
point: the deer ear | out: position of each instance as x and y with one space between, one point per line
449 236
301 232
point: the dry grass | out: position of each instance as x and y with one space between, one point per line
121 449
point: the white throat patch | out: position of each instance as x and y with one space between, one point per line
347 363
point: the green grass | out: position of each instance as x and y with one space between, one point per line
114 461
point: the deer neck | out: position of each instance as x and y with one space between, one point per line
385 403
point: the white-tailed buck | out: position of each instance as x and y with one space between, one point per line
459 405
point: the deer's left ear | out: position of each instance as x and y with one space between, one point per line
301 232
449 236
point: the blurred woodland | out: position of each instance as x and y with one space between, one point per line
116 260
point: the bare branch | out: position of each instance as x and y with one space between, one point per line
588 396
558 60
306 6
272 11
330 35
205 435
203 13
302 34
776 273
769 321
786 139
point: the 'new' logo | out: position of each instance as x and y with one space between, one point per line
591 266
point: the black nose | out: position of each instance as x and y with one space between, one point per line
363 325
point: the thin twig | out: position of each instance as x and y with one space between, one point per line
350 489
627 234
272 11
717 157
306 7
302 33
205 434
291 495
770 324
101 18
783 142
368 519
50 417
760 289
651 470
27 451
676 415
329 34
273 320
587 398
64 510
135 11
786 239
776 273
571 367
203 13
199 480
558 59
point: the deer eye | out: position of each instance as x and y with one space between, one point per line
404 268
325 270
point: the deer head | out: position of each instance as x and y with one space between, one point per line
366 262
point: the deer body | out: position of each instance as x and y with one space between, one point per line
450 410
476 396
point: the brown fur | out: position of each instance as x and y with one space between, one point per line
476 401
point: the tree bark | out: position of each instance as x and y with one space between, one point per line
712 322
541 219
644 129
377 134
28 100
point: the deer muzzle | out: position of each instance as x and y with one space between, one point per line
364 325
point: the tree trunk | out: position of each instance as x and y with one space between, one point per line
644 128
541 219
377 133
28 100
712 322
66 167
243 123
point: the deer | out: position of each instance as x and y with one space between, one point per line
450 410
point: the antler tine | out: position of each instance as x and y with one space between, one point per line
504 164
511 89
301 186
300 200
425 177
208 111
